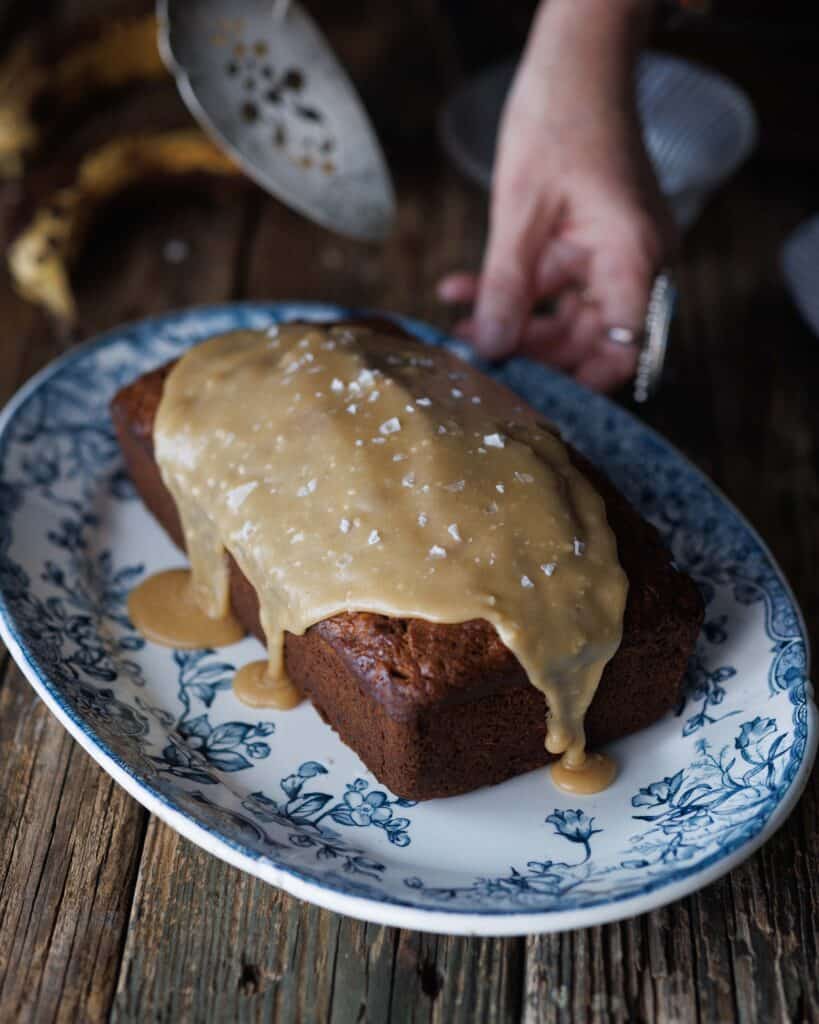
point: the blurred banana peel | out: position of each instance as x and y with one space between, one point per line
120 52
39 259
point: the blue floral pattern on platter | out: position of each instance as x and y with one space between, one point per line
696 790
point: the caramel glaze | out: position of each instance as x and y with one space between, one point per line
595 773
346 470
253 686
165 610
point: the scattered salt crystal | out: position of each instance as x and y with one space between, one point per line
336 385
391 426
476 399
272 331
409 408
308 488
441 428
549 568
246 532
398 458
579 546
493 441
358 442
526 582
423 401
409 480
436 551
423 519
366 378
425 489
452 530
345 525
524 478
379 440
236 497
457 393
352 408
373 396
456 487
500 488
374 537
297 538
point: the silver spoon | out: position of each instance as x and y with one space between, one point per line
261 79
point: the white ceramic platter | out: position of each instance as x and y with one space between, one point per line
278 795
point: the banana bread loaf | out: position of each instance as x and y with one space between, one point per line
438 709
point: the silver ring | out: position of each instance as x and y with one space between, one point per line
622 335
658 321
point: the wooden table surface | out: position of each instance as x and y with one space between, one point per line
107 913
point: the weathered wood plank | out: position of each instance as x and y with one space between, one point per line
208 943
69 848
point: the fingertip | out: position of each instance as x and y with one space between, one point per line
457 287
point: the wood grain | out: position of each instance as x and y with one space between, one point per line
107 914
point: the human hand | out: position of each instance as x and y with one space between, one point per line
576 215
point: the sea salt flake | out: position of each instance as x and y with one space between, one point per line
524 478
500 488
358 442
373 396
336 384
436 551
409 408
456 487
493 441
457 393
379 440
390 426
237 496
549 568
398 458
246 532
423 401
308 488
423 519
374 538
345 525
526 582
452 530
352 408
297 538
579 546
408 480
476 399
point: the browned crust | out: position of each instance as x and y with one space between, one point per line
435 709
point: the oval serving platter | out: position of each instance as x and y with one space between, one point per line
278 795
